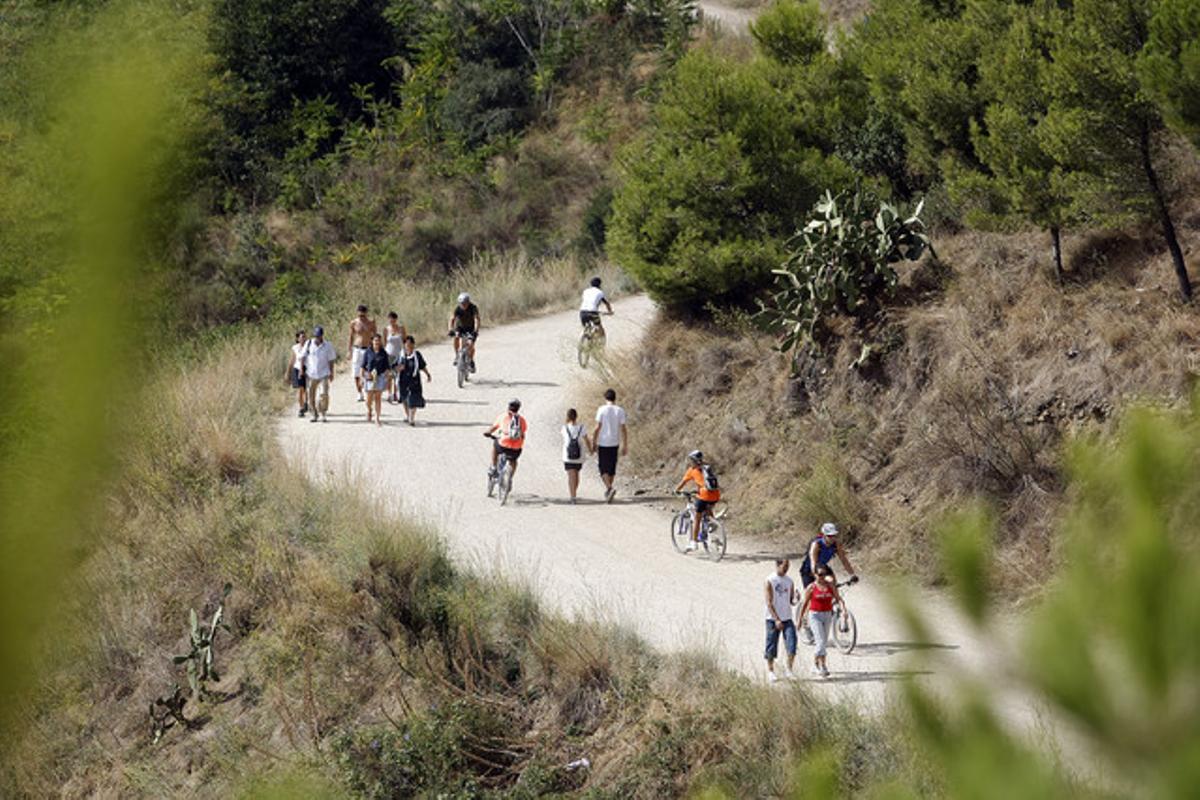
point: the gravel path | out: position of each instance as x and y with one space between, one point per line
597 561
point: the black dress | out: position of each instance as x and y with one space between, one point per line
408 379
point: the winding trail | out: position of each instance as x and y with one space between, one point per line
596 561
736 20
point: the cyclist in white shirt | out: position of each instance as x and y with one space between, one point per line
589 305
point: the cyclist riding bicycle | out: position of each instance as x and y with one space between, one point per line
589 306
819 553
708 492
511 428
465 322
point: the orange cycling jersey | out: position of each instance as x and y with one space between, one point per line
696 475
504 426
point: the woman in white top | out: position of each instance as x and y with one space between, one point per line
574 442
393 338
295 372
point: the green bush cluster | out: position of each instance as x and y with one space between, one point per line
1042 115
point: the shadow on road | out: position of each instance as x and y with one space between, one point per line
514 383
444 423
877 676
432 401
762 555
892 648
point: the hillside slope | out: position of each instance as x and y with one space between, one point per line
972 386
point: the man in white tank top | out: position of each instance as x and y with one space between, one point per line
780 596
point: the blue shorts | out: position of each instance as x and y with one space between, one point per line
789 639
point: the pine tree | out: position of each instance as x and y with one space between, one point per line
1021 182
1100 121
1169 65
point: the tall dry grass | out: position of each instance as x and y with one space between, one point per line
505 286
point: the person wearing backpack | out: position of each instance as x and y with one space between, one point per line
574 440
510 428
708 491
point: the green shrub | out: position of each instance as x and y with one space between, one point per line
484 102
790 31
711 192
275 53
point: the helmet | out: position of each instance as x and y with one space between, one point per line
514 405
596 282
464 298
829 529
696 456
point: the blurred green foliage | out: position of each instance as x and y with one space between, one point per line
96 160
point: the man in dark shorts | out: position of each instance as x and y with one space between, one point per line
610 439
589 305
464 322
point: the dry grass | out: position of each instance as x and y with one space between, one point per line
505 287
969 392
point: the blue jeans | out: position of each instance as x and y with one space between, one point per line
789 639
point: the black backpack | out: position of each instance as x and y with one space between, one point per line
573 450
710 478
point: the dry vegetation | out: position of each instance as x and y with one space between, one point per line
968 387
361 659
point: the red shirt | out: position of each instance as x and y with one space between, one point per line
821 598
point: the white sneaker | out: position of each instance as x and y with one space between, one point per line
824 672
692 546
817 671
771 676
791 676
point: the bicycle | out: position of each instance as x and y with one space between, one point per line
592 341
501 477
845 627
462 360
712 538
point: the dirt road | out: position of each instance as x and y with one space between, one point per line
736 20
594 560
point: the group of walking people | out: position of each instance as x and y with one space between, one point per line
383 363
809 609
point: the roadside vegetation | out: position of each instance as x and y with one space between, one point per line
1048 150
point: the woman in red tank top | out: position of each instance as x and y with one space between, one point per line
819 597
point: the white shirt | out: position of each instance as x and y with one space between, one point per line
318 359
298 354
592 298
394 345
611 417
782 588
570 432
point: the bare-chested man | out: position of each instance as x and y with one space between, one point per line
362 330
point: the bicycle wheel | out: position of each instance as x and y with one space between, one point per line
491 483
681 530
715 542
505 483
585 348
845 630
462 369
